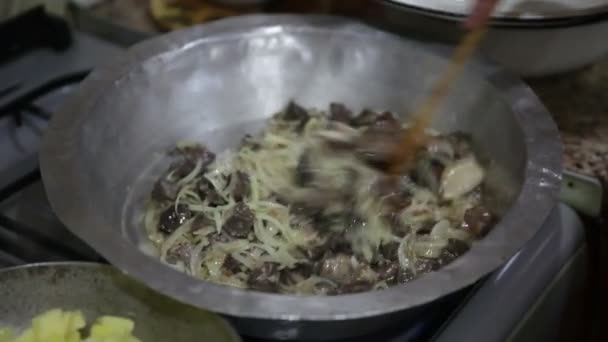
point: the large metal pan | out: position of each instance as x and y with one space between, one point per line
98 290
214 83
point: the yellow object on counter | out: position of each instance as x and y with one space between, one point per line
64 326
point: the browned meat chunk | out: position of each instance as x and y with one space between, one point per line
336 243
171 219
231 265
206 191
181 168
301 271
339 112
377 146
240 223
387 121
478 221
397 227
164 190
241 186
201 221
388 272
265 278
181 253
192 154
453 250
293 112
356 286
462 143
428 173
389 250
404 276
366 118
424 265
394 194
304 173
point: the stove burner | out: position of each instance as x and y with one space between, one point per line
33 29
18 241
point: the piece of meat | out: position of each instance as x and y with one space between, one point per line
453 250
426 265
231 265
180 252
478 221
201 221
171 219
338 244
388 272
339 112
305 210
427 172
221 238
303 172
389 250
339 136
164 190
367 117
182 167
387 121
356 287
398 228
194 153
242 186
461 142
377 145
265 278
206 191
394 194
427 228
352 220
294 112
240 222
316 253
403 276
302 271
338 268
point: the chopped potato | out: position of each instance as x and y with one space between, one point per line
64 326
6 335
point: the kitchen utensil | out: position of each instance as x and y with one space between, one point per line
414 137
214 83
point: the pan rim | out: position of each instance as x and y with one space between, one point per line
533 205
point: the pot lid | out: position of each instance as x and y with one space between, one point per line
516 9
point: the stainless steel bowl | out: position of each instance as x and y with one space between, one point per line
214 83
99 290
537 38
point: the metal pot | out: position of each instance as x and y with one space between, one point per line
98 290
530 38
214 83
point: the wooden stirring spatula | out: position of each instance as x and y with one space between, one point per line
414 138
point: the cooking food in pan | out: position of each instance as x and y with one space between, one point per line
306 207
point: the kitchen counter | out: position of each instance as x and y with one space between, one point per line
577 100
579 105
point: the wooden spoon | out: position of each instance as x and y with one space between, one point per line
415 137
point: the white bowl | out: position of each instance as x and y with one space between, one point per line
527 37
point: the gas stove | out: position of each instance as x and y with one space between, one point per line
522 301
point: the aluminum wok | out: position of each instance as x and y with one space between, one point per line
214 83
